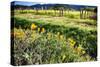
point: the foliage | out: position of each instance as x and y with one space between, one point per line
44 48
43 39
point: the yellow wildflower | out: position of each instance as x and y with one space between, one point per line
83 52
42 30
19 34
58 33
63 57
38 29
49 35
33 26
61 36
71 42
69 39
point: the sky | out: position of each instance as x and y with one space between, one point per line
26 3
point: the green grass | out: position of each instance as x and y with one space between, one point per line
33 47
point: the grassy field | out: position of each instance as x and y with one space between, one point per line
45 39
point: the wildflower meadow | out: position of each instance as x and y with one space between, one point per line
42 38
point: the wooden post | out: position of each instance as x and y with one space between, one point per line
45 10
59 12
62 11
85 15
36 10
68 11
42 8
88 14
81 13
55 12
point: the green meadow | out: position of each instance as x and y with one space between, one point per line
47 38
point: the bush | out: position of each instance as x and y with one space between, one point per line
45 48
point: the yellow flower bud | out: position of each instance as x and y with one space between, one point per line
33 26
83 52
38 29
43 30
63 57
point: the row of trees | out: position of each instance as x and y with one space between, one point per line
61 8
88 13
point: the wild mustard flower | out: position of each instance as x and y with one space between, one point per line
38 29
83 52
58 33
42 30
71 42
19 34
61 36
33 26
63 57
49 35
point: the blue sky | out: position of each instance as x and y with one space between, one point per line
24 3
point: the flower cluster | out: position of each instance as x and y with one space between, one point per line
72 42
39 29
